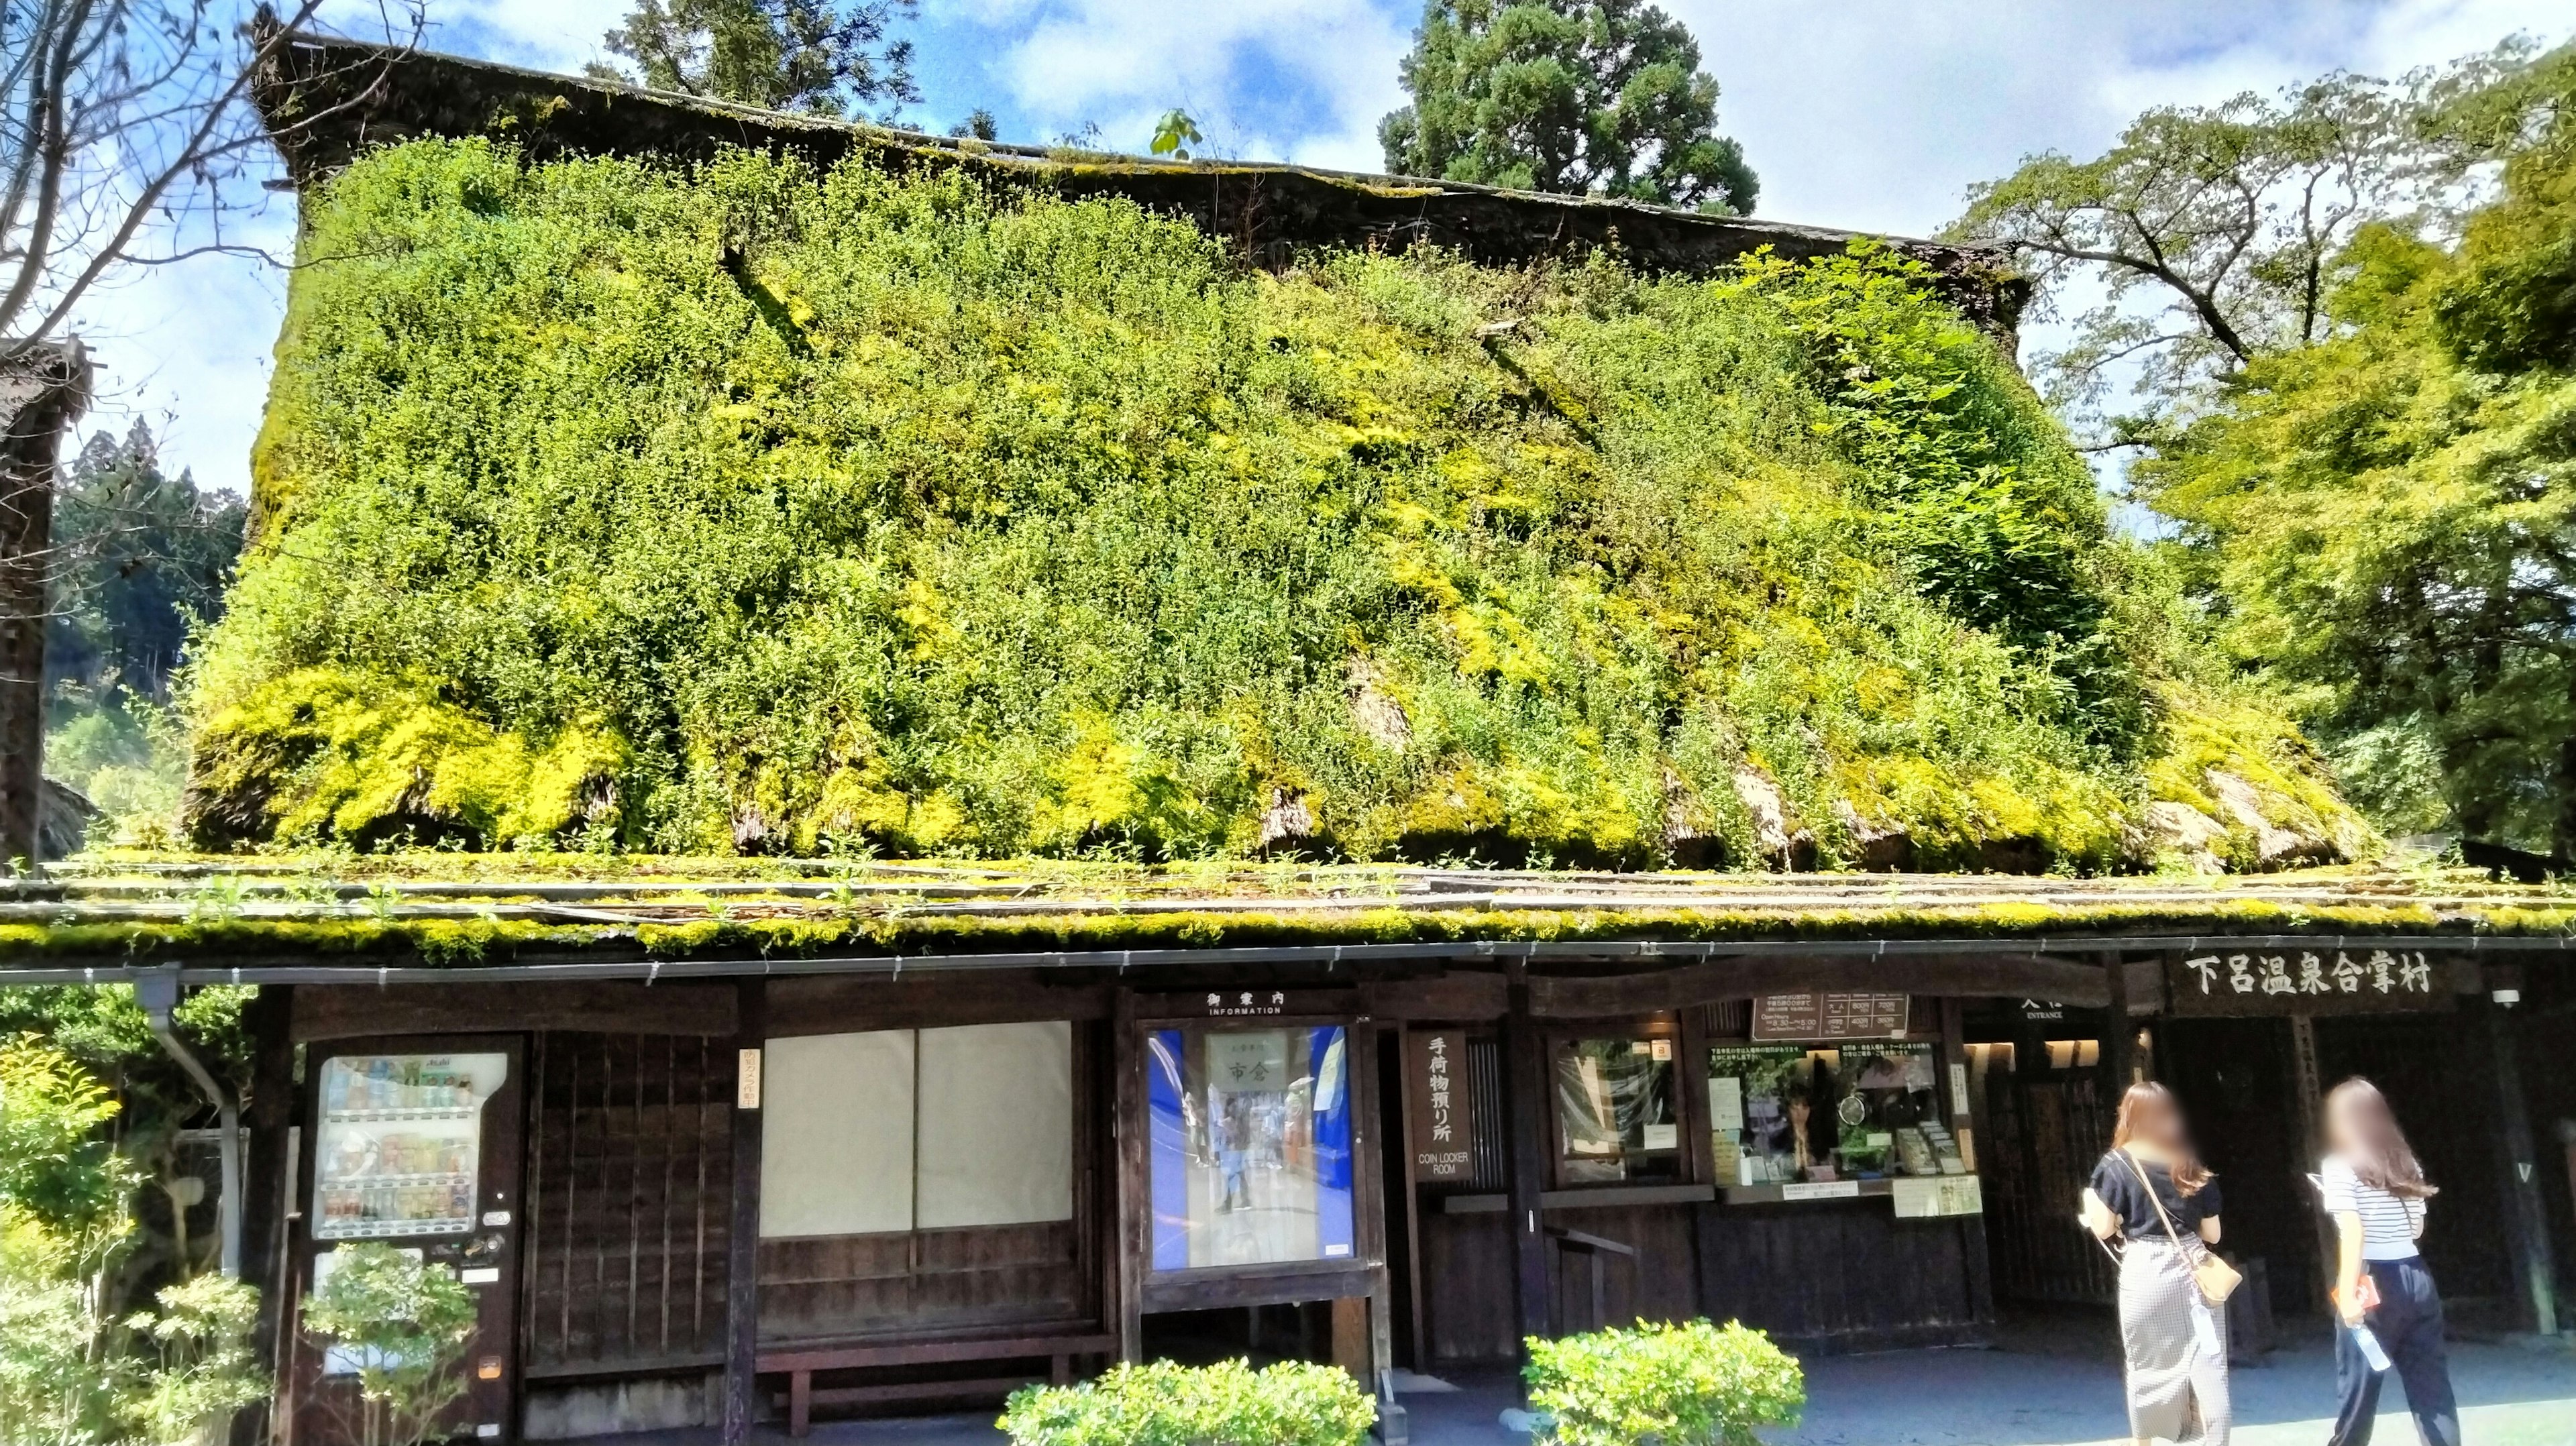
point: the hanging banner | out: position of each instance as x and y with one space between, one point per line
1444 1123
1814 1017
2307 981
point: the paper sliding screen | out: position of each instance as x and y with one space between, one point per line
837 1135
996 1136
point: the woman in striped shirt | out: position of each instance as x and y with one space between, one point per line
2375 1190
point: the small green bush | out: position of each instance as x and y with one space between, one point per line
407 1321
1664 1385
1228 1404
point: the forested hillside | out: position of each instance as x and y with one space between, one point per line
616 506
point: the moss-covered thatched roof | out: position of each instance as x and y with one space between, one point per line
436 910
329 100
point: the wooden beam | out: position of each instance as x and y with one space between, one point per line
269 1179
361 1010
846 1003
1458 996
1963 1126
742 1239
1411 1194
1525 1158
2306 1097
2006 976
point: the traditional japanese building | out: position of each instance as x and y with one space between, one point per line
732 1138
738 1139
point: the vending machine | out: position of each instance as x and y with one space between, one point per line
410 1145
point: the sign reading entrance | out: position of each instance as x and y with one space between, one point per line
1444 1134
1814 1016
2307 981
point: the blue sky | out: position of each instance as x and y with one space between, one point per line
1871 114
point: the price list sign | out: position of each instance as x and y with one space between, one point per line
1816 1015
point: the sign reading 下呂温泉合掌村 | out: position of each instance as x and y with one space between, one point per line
1444 1135
2307 981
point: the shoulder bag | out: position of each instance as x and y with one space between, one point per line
2216 1278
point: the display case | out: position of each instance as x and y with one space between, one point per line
1251 1146
1616 1123
401 1144
1793 1122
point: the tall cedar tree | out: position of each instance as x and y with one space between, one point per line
802 55
1597 97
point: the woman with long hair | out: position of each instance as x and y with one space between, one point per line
2152 1191
2375 1190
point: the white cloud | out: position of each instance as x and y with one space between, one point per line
1872 114
1877 114
1301 79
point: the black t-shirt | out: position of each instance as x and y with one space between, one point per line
2117 1184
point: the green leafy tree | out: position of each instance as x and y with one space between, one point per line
406 1321
145 556
1599 97
72 1370
805 55
1175 133
141 558
2207 235
2387 516
2208 231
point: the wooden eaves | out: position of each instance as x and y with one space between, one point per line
564 917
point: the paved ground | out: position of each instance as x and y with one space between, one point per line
2057 1386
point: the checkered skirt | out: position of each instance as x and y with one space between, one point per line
2177 1389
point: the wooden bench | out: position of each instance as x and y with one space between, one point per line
800 1364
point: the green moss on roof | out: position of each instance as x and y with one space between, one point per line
450 908
608 504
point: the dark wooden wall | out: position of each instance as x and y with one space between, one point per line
627 1188
1467 1287
922 1282
1844 1275
2432 1069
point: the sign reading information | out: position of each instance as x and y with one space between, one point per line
2307 981
1444 1136
1817 1016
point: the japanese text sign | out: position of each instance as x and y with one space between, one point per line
2320 980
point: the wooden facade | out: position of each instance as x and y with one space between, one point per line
637 1287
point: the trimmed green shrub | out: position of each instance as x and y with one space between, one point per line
1227 1404
1664 1385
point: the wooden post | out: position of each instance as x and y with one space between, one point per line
2118 1034
1134 1206
742 1240
42 391
1525 1150
269 1179
2307 1097
1963 1127
1412 1195
2527 1232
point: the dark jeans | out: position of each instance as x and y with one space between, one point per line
2408 1323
